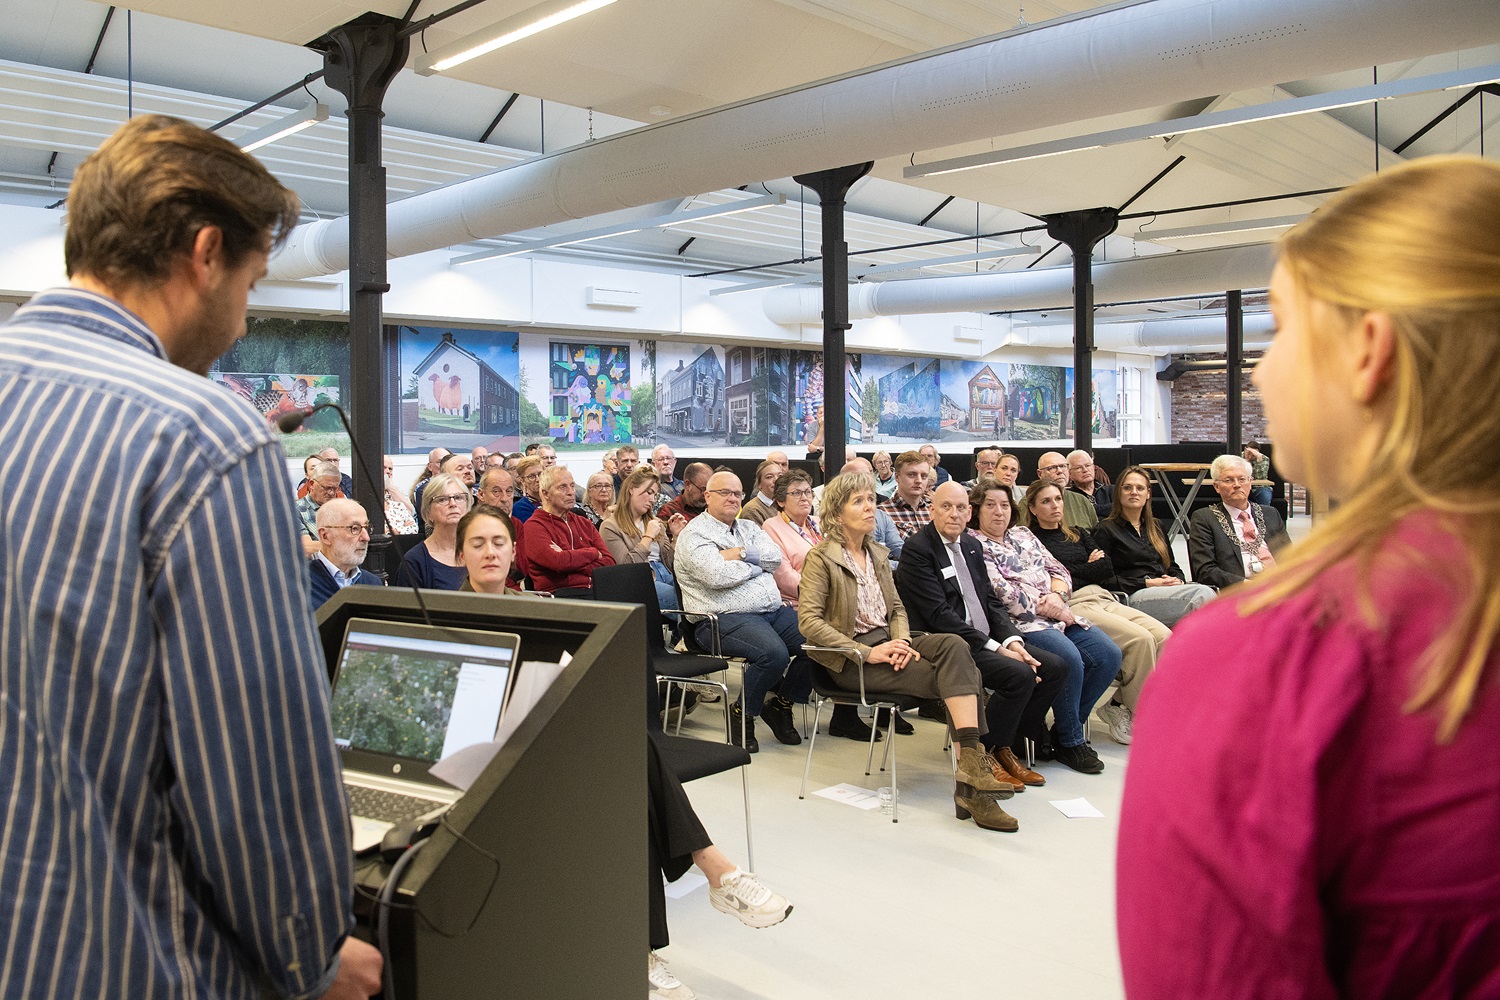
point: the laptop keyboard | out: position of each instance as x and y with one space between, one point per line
388 807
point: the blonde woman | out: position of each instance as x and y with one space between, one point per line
1313 802
433 563
633 535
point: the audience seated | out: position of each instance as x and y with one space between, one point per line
433 563
562 546
725 566
664 461
486 544
937 475
633 535
1234 539
690 500
1083 478
481 458
626 460
529 475
1008 471
346 485
941 580
607 461
400 515
1139 636
886 533
762 506
308 464
1033 587
911 505
321 488
793 528
496 489
850 602
1144 567
1260 468
986 461
343 541
460 465
885 475
1078 509
598 497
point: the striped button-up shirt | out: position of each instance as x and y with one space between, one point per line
174 821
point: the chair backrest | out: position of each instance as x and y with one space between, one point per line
632 583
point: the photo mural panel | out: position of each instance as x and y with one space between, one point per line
976 395
282 365
460 389
589 402
901 399
1106 403
1034 407
691 408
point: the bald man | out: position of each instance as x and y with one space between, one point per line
343 542
1078 510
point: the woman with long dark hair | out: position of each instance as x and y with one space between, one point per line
1145 569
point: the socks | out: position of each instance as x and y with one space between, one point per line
968 738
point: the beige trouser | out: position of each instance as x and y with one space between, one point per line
1139 636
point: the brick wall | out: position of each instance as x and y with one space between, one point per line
1198 404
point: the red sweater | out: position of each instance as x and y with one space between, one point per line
582 550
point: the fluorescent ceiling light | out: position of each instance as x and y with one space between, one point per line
750 286
512 29
1456 80
624 228
290 125
1221 229
912 265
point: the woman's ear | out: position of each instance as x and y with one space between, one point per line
1371 353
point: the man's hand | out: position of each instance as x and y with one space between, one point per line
1016 651
676 523
897 652
555 546
359 972
731 555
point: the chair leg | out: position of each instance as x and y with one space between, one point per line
1030 751
749 842
870 757
890 744
812 741
895 789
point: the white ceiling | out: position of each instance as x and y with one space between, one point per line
640 61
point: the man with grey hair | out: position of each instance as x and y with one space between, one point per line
460 465
725 566
986 461
321 488
939 475
343 543
1082 478
1234 539
346 485
562 546
1078 510
664 461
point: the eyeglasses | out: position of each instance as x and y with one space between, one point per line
1052 468
735 494
1233 480
799 493
355 530
601 486
452 498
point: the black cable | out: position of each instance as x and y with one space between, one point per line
382 922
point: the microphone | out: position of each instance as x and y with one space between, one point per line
289 422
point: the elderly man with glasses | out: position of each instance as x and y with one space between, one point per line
1078 509
1234 539
322 487
343 542
726 566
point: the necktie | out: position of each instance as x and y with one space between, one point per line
977 617
1248 528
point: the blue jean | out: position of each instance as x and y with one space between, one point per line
768 642
1093 660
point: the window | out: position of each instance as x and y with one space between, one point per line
1131 417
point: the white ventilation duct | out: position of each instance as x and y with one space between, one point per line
1155 336
1116 59
1160 276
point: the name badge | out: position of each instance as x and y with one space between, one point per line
949 573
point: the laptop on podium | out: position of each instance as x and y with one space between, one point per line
406 696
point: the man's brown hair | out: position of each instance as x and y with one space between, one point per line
909 458
139 200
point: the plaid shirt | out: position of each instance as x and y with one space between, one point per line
909 520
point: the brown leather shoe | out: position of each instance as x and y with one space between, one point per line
985 811
976 774
1002 775
1016 769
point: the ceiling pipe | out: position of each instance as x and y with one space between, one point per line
1126 57
1155 336
1160 276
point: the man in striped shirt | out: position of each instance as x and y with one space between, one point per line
174 814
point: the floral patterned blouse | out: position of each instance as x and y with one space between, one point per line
1021 571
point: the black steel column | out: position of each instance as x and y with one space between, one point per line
832 186
1080 232
360 58
1234 359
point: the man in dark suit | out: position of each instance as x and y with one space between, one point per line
1234 539
343 541
942 582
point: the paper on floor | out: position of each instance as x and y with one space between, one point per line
851 795
1077 809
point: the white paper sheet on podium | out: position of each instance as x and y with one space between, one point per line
1077 809
463 768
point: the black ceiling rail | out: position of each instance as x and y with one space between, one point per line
503 112
1152 182
88 68
1443 116
309 78
928 217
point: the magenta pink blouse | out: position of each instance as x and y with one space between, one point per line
1288 830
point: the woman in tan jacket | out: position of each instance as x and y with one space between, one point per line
848 602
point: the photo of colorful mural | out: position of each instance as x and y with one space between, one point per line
281 365
589 395
459 389
1034 406
1106 403
278 395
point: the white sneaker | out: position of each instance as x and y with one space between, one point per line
1119 719
664 985
741 895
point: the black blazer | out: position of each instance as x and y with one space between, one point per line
1213 557
935 603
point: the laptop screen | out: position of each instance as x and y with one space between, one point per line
419 693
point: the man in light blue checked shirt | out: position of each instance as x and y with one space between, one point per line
724 566
174 811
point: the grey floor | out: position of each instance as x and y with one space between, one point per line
929 906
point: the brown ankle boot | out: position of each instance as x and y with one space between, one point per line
985 811
1016 769
975 772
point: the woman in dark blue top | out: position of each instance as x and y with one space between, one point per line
433 564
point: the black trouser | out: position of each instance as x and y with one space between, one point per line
1018 705
675 833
